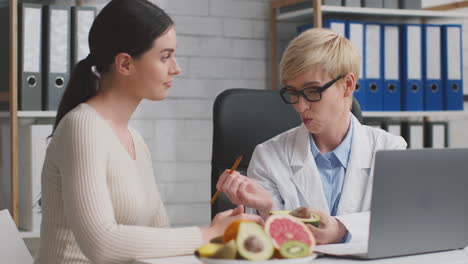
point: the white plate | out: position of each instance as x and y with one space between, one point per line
271 261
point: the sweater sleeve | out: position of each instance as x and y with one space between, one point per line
82 163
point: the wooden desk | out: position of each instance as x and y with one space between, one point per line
446 257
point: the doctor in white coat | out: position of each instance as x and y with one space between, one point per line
324 164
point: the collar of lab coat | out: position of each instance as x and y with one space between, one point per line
361 151
307 179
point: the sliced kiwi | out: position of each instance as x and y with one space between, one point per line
294 249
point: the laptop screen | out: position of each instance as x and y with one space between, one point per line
419 202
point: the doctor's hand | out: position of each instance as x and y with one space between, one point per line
244 191
330 231
223 219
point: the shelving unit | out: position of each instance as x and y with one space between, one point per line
315 11
14 107
14 114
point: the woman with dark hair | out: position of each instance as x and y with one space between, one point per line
100 201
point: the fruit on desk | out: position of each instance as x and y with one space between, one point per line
207 250
227 251
253 243
217 240
294 249
231 231
304 214
284 227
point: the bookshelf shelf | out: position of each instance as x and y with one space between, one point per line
31 114
52 114
29 234
415 114
369 12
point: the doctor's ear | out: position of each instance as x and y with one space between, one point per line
350 84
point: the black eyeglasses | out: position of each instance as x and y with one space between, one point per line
311 94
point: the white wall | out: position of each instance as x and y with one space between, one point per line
221 45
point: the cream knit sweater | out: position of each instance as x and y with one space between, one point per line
98 204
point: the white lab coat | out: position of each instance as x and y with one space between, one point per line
284 165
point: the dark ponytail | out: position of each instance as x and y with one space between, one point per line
129 26
81 86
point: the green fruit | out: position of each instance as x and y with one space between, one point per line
207 250
306 216
303 213
253 243
227 251
281 212
294 249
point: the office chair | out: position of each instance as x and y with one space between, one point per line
242 119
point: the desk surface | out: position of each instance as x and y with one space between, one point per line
446 257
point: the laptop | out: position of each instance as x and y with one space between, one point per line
419 205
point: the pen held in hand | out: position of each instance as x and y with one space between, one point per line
234 167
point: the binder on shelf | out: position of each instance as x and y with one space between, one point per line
337 26
4 57
56 63
411 85
410 4
393 127
302 28
352 3
332 2
432 64
33 146
413 133
81 21
391 4
29 57
373 67
356 36
436 135
452 67
5 165
372 3
391 67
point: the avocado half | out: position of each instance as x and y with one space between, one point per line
253 243
302 213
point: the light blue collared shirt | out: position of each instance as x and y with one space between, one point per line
332 169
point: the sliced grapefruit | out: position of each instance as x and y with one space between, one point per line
284 227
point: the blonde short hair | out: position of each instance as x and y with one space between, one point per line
322 49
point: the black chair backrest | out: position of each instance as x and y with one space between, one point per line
242 119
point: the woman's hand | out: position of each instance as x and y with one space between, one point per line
330 231
244 191
223 219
